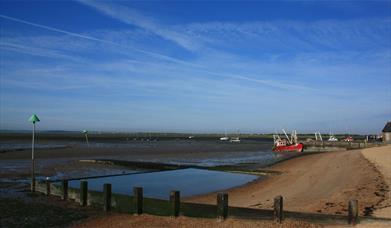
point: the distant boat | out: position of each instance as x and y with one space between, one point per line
235 139
225 138
332 138
348 139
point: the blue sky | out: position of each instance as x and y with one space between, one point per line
201 66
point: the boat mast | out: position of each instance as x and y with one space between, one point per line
286 135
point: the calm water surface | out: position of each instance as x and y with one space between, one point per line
189 182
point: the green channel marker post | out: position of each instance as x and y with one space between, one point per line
33 119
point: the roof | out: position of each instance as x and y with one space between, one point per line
387 128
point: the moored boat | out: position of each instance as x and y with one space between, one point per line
287 144
235 139
332 138
225 138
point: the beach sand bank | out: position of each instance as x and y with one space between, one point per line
320 183
314 183
151 221
381 158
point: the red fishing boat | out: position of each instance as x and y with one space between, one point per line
288 144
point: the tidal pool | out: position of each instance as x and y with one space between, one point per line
189 182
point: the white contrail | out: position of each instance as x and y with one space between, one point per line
55 29
157 55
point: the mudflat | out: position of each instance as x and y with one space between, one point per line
169 149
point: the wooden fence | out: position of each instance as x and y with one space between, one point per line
342 144
138 204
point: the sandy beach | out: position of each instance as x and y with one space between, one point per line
321 183
381 158
120 221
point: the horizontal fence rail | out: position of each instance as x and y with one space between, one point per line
138 204
342 144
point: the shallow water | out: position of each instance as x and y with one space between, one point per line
260 157
189 182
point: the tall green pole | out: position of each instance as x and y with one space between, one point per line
33 161
34 118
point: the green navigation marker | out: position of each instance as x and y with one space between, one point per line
33 119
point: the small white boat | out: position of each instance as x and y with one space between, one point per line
332 139
225 138
235 139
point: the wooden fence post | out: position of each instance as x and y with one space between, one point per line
175 202
353 212
222 206
83 193
107 197
138 200
278 209
64 190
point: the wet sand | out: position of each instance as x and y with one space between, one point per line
161 151
322 183
49 161
185 149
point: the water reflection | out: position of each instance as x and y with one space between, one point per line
189 182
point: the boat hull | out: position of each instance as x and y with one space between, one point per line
291 148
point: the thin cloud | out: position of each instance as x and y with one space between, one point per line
156 55
202 68
14 47
298 36
133 17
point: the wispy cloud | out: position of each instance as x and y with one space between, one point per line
287 36
24 49
55 29
133 17
152 54
202 67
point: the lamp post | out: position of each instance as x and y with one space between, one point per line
33 119
85 132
